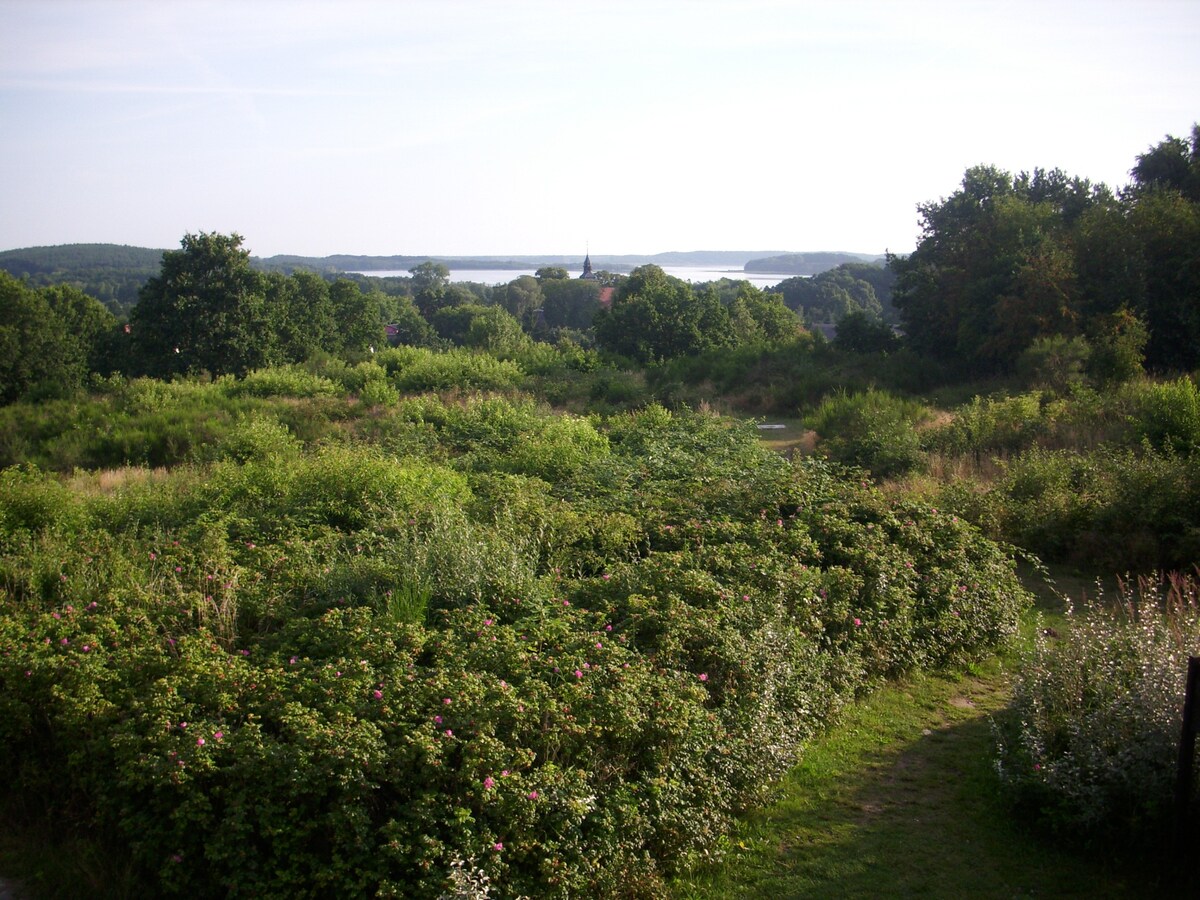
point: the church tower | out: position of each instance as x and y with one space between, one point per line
587 268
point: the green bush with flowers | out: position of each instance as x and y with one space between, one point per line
554 653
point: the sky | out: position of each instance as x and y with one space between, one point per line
554 127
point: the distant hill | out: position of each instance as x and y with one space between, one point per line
112 273
70 258
807 263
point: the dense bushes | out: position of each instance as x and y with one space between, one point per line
1107 482
1090 743
873 430
557 652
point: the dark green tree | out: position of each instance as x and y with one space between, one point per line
301 312
87 328
570 303
206 311
522 296
760 317
34 351
429 282
357 317
656 317
409 325
995 268
861 333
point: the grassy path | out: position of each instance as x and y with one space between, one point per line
899 801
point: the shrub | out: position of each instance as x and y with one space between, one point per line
991 425
1055 362
1089 743
294 672
1109 510
1167 415
281 381
873 430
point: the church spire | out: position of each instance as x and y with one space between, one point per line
587 268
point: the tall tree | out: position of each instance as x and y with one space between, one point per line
656 317
358 316
994 269
429 282
87 328
206 311
304 310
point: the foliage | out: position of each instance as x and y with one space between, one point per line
1167 415
1089 745
1008 260
205 312
831 295
874 430
656 317
559 652
859 333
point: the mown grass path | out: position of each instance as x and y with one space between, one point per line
900 800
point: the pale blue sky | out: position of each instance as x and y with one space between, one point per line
458 127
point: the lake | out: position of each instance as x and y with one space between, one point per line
693 274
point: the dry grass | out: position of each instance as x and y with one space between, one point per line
108 481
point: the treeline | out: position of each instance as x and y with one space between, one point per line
1011 273
1007 263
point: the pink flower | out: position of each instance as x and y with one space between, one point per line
292 661
857 622
199 742
745 596
578 674
437 720
599 645
449 733
704 676
153 555
179 568
489 783
218 735
606 576
87 649
183 724
65 641
608 628
378 695
566 603
487 622
250 545
533 795
504 774
446 701
498 846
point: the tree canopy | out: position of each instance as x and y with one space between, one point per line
1006 261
